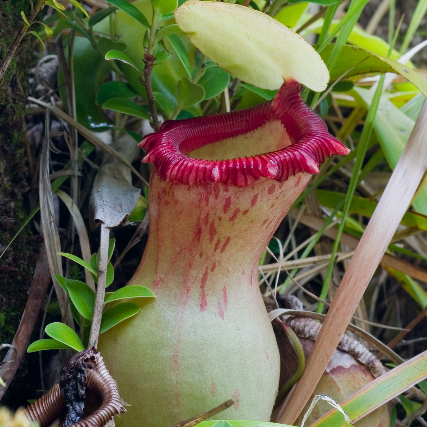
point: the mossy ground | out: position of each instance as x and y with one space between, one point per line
16 266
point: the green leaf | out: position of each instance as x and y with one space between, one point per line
140 209
132 291
79 261
214 81
109 275
413 107
356 61
324 2
393 129
166 32
188 93
90 71
117 314
132 11
166 104
112 90
37 37
365 207
80 7
264 93
121 56
165 6
26 23
46 344
161 54
168 6
181 52
105 45
55 5
409 405
166 16
126 106
47 29
82 296
62 281
290 15
100 15
111 246
222 424
241 423
64 334
376 393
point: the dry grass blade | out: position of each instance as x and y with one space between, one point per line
378 392
205 415
387 216
386 261
50 232
88 135
81 231
301 263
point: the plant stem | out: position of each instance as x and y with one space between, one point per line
14 46
149 59
100 290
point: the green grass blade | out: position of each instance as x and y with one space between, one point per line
378 392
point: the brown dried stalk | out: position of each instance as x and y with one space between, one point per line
205 415
34 303
99 382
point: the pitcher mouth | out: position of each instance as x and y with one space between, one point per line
297 141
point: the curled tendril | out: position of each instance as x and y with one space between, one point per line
100 386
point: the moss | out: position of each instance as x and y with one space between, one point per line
16 267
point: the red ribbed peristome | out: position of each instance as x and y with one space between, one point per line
311 143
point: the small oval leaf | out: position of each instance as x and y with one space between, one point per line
64 334
188 93
82 296
110 275
117 314
111 90
78 260
166 31
132 291
121 56
132 11
46 344
214 81
126 106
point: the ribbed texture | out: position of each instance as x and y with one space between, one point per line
309 328
51 405
311 143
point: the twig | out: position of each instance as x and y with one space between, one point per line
409 328
100 290
205 415
14 46
149 63
39 286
